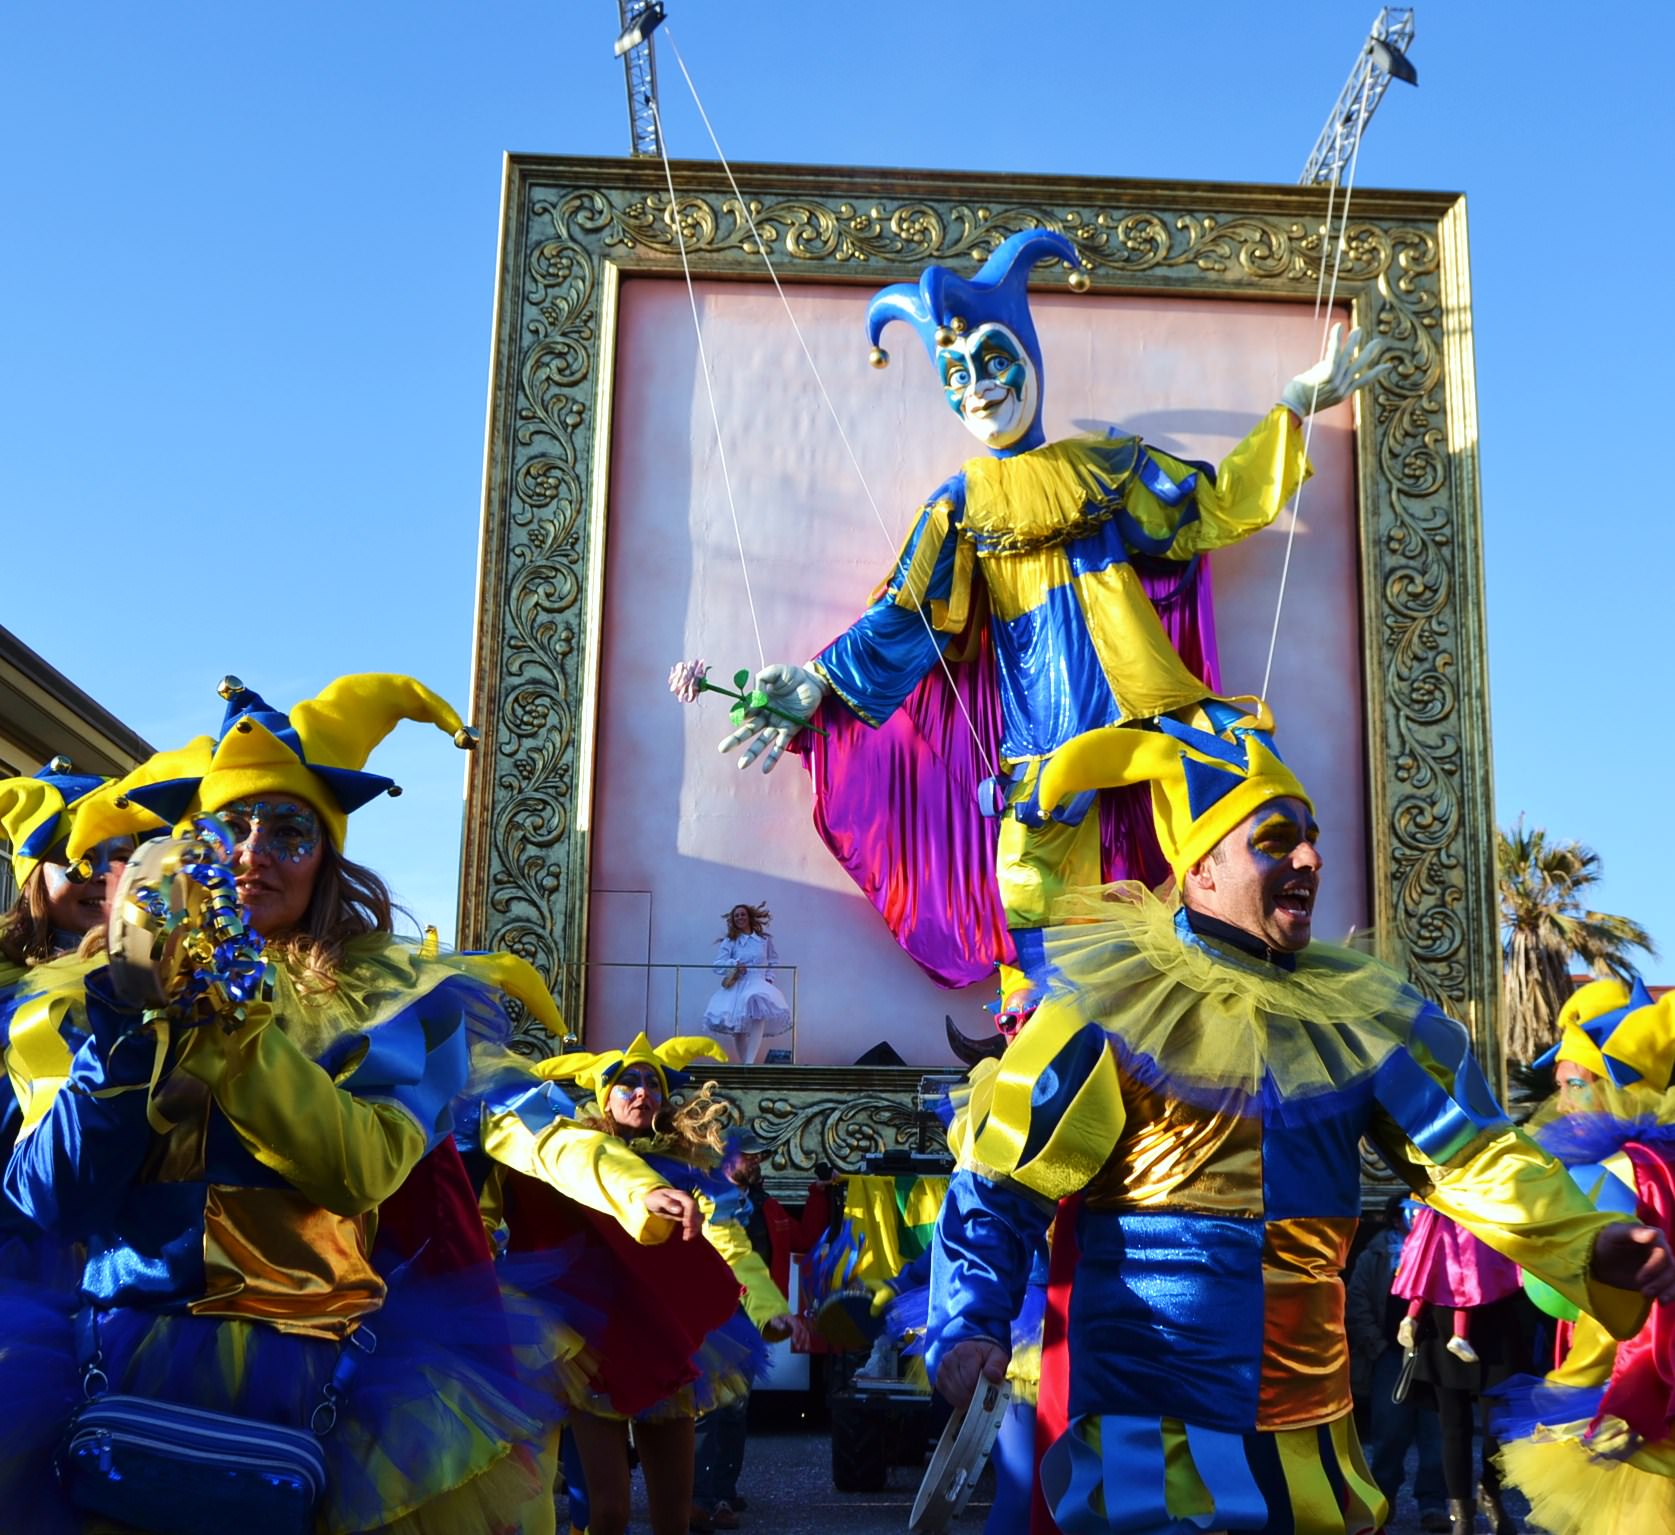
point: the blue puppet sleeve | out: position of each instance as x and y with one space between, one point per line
985 1242
926 600
74 1167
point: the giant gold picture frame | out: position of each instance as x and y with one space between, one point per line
571 229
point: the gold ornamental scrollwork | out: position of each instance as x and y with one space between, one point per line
571 225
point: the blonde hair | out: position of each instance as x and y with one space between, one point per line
696 1126
760 917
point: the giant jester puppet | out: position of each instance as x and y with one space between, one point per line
1057 588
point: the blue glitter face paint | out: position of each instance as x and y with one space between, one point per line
284 829
632 1081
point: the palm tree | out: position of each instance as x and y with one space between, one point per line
1545 926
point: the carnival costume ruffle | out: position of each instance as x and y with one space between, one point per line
1197 1109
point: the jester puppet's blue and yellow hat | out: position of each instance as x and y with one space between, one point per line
316 753
1616 1031
596 1072
1204 781
943 305
32 812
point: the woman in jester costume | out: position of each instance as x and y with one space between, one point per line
1036 566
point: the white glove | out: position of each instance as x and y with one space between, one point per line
1337 375
794 690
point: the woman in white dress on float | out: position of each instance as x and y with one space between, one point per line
747 1005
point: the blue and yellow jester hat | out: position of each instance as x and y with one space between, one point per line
943 304
596 1072
316 753
32 812
1619 1033
1204 782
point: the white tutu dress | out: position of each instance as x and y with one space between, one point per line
753 1000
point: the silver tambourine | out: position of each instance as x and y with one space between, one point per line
958 1459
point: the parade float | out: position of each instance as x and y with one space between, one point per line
692 452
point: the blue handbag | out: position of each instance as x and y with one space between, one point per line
173 1470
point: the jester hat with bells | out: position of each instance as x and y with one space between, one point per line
595 1073
942 305
1204 782
32 818
314 754
1619 1033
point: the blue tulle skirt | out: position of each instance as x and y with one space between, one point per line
446 1396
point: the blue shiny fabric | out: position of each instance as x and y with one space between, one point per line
1052 686
1311 1164
75 1170
981 1256
1441 1124
1166 1318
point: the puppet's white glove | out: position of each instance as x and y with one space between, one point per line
1332 380
794 690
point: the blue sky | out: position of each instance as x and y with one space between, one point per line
247 269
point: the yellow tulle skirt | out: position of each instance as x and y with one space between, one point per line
1573 1493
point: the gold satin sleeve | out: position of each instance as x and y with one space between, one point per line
347 1156
1252 484
1505 1190
588 1166
763 1299
1086 1118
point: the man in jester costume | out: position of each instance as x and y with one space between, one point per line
1036 568
1189 1100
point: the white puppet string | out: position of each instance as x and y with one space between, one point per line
1326 323
820 382
709 387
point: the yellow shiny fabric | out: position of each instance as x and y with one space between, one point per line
1174 1156
1505 1190
763 1300
272 1256
37 1054
589 1166
1035 865
344 1154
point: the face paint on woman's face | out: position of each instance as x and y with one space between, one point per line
635 1096
1576 1088
276 856
991 384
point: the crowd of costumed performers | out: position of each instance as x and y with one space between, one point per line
268 1299
1592 1445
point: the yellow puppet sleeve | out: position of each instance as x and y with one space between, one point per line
763 1299
588 1166
1252 484
346 1155
1505 1190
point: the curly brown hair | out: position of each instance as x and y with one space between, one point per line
760 917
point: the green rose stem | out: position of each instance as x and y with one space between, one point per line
755 701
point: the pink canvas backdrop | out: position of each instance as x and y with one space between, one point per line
679 834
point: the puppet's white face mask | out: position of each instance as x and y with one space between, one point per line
991 384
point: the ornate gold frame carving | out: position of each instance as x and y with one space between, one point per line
571 228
